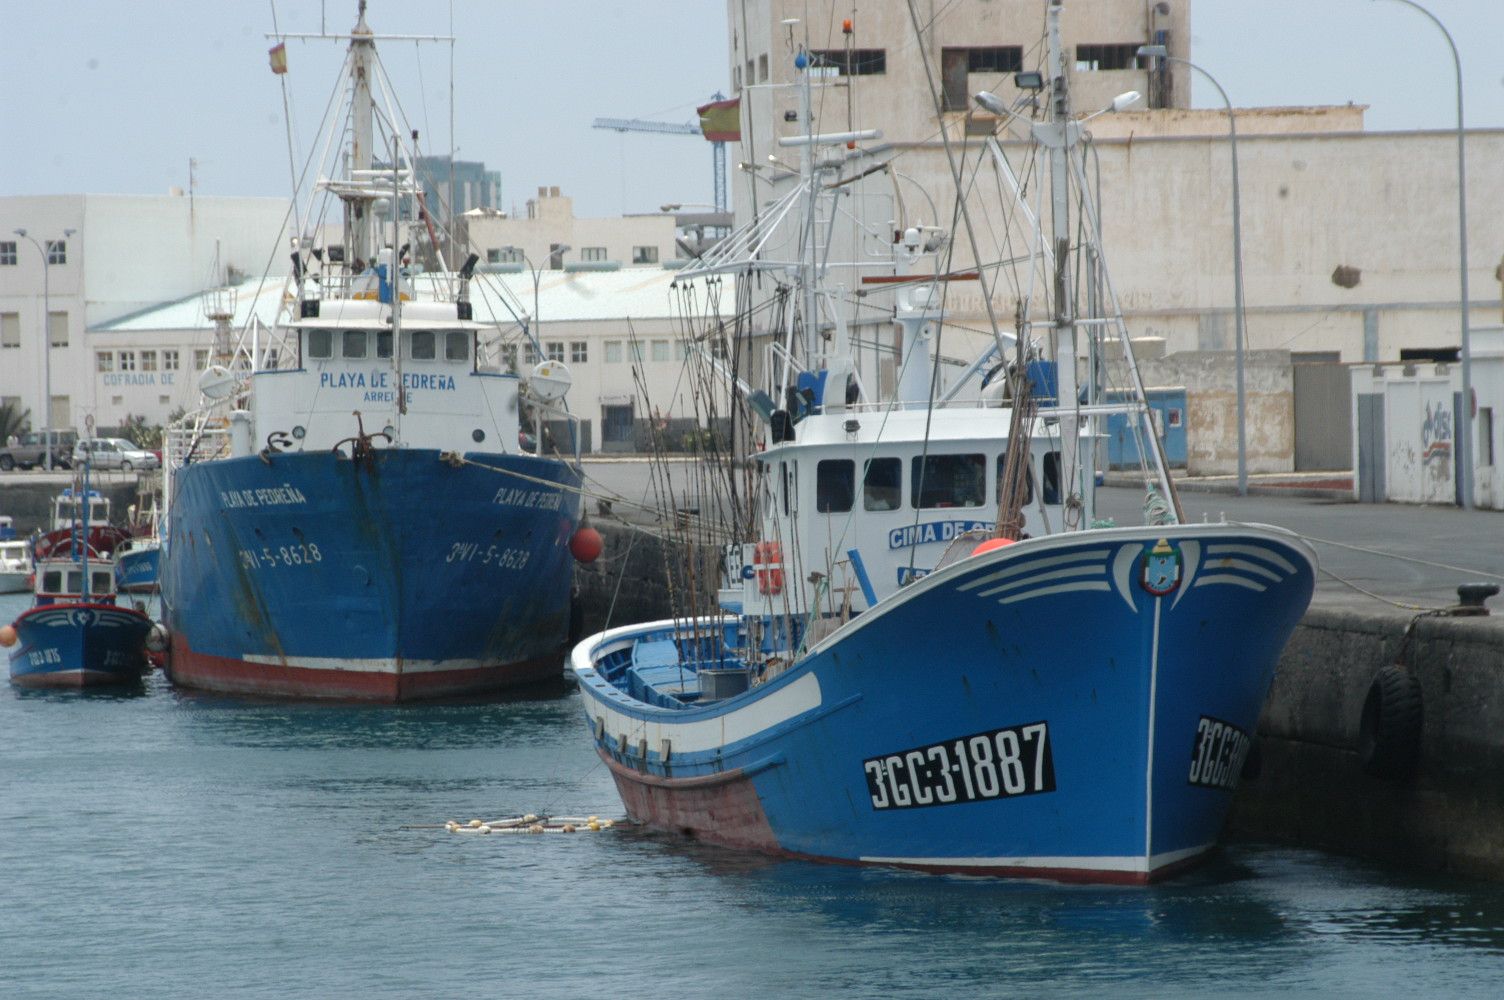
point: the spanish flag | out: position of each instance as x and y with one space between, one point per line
278 55
721 121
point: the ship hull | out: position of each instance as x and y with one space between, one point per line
136 569
397 577
1075 708
79 645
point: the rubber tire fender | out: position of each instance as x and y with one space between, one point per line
1390 728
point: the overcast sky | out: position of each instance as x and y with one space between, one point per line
108 96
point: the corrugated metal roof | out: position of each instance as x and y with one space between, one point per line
639 293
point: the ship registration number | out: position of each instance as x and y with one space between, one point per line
1000 763
1218 753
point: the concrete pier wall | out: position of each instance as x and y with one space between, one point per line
1312 790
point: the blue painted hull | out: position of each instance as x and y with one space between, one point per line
79 645
398 578
1035 711
136 570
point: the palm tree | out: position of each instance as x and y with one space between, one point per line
13 421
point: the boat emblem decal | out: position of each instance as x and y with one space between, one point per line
1161 568
83 617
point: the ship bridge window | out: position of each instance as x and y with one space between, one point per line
52 582
457 346
948 481
99 513
1002 465
383 343
834 479
75 582
882 484
320 344
1050 490
420 345
100 581
353 344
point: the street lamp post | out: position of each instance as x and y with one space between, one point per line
1240 318
558 252
46 338
1465 436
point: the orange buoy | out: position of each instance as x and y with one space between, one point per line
991 545
586 545
7 635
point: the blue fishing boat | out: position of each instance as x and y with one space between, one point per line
936 652
136 563
350 514
74 635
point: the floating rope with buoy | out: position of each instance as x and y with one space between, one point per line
530 823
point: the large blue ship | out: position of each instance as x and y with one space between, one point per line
352 513
935 652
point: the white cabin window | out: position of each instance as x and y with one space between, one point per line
320 344
1002 465
52 582
834 485
353 344
456 346
948 481
75 582
421 345
101 584
882 484
383 343
1050 490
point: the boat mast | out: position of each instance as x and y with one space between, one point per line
358 221
1060 135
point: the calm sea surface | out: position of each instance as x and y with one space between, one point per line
163 844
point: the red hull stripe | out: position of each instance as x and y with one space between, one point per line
725 810
190 668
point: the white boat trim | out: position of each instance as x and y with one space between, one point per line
1134 863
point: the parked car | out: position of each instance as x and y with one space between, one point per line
31 449
115 453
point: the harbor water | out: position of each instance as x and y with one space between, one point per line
159 843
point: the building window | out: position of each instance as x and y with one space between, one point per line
57 251
635 348
995 59
644 255
148 361
8 253
104 361
163 400
273 356
169 361
593 253
555 350
1116 56
1486 435
681 350
857 62
493 256
579 352
660 350
117 400
504 255
762 68
736 84
127 361
200 360
529 354
57 329
613 352
10 329
509 357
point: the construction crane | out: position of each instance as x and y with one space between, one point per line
717 147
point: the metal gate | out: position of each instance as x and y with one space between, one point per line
1323 417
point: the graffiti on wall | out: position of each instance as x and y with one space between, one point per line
1436 436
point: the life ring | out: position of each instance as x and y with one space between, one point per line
1390 727
767 561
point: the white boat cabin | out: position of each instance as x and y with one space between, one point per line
68 509
61 581
424 392
864 502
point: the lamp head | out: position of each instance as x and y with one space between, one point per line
19 232
68 232
1159 51
1125 100
990 102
